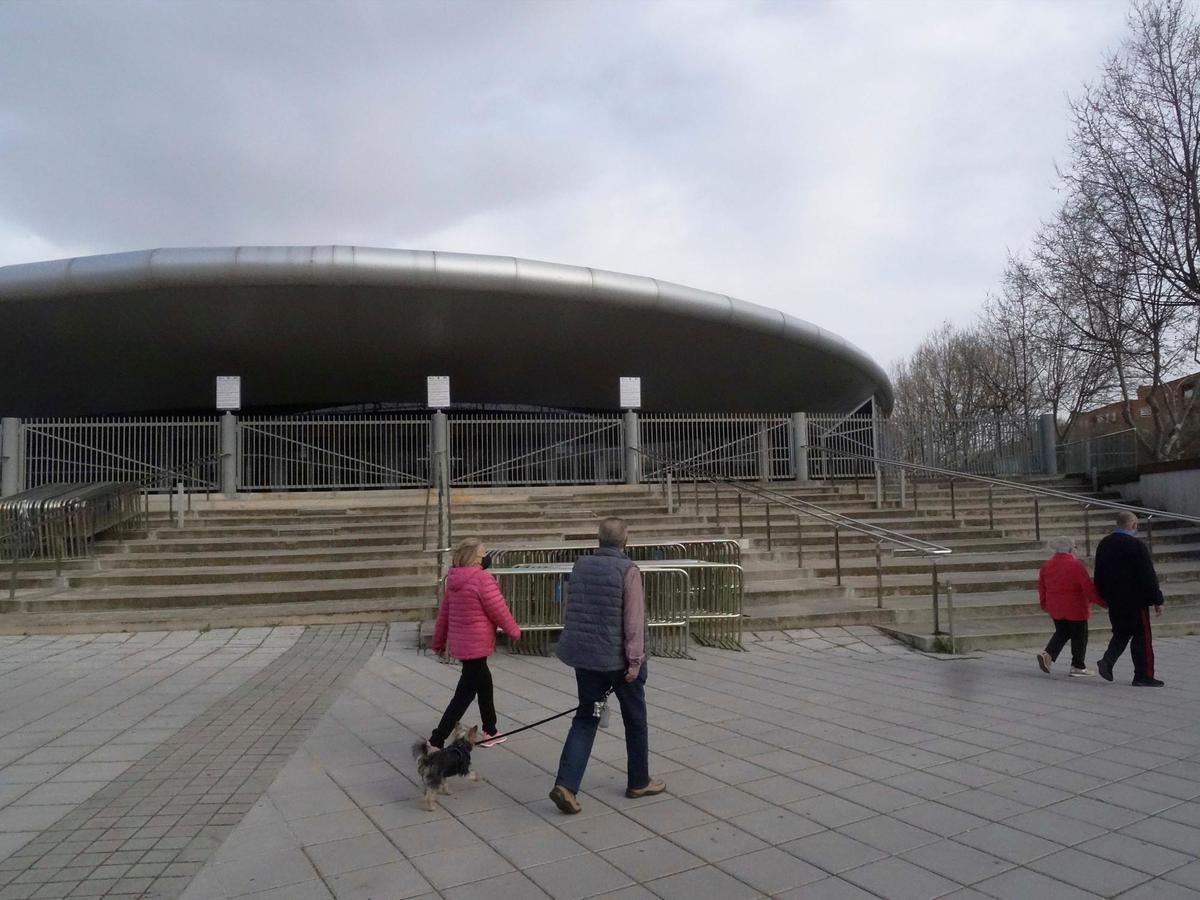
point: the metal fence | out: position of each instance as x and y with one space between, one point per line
829 437
519 448
136 449
992 445
1104 453
746 446
300 453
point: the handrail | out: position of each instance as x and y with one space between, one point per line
1144 511
828 516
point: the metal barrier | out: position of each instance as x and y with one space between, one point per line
77 451
506 449
332 452
568 551
537 595
715 605
62 521
750 446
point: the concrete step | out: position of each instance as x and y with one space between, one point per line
264 572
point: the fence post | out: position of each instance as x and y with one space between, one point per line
764 454
950 613
937 627
11 452
837 553
800 444
439 460
1049 434
229 454
767 507
179 504
633 443
878 576
799 543
876 448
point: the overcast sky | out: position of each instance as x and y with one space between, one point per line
862 165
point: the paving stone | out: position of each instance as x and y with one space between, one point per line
833 852
1024 884
650 859
513 886
897 879
396 881
772 870
466 864
707 883
573 879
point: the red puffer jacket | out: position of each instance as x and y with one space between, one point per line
1066 590
471 611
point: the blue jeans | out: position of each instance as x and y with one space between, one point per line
578 748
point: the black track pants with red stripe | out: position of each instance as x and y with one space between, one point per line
1132 629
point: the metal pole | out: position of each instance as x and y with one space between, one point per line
1037 519
799 543
991 510
741 520
950 613
953 508
937 627
837 552
916 496
1087 532
179 508
878 576
696 492
1150 535
12 448
670 495
878 485
767 507
631 433
717 501
229 455
903 489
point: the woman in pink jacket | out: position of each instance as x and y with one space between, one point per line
471 611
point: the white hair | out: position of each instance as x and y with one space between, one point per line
1062 545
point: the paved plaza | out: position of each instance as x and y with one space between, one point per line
275 764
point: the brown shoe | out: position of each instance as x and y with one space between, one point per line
654 787
565 800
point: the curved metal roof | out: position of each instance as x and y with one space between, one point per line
148 330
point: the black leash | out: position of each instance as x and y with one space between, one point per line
565 712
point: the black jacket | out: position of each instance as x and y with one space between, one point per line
1125 575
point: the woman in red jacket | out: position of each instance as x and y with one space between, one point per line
1066 592
472 609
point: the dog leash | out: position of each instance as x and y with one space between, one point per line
600 712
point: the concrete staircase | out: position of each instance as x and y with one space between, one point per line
303 558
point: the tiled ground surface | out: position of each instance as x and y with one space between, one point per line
827 764
148 818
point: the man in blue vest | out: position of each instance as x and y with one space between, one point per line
604 640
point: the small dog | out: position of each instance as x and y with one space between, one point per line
435 766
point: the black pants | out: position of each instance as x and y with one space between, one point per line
1075 632
1132 629
475 681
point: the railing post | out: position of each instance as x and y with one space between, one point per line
1150 535
229 454
878 486
1087 532
937 626
991 510
696 492
1037 519
717 501
799 543
179 504
903 489
12 451
1049 435
741 519
953 507
670 495
800 445
950 613
767 507
878 576
916 495
632 434
764 454
837 553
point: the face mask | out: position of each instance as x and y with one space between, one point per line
486 562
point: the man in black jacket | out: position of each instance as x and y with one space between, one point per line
1126 580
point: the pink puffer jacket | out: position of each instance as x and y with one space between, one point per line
471 611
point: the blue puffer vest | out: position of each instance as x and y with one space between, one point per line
593 636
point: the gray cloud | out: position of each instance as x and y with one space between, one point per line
863 165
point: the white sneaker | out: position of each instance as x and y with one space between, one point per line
1044 661
1081 673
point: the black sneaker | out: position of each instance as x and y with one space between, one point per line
1147 682
1104 667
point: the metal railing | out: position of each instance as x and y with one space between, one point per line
1103 453
984 445
77 451
330 453
746 446
1034 491
897 541
525 449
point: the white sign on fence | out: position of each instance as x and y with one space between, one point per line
631 393
229 392
437 391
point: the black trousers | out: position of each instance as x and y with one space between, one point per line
1132 629
1075 632
475 681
